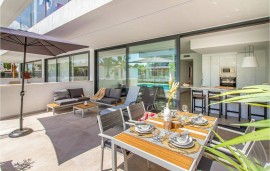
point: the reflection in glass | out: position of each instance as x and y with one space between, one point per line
79 67
51 70
150 65
35 69
63 69
35 12
112 68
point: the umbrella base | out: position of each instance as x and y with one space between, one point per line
19 133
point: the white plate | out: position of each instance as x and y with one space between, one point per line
143 128
182 141
191 144
203 121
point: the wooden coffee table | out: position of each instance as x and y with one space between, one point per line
83 107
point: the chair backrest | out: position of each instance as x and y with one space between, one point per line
214 93
160 92
249 129
110 120
136 111
149 95
132 95
197 92
257 153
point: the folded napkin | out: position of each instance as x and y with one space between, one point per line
146 115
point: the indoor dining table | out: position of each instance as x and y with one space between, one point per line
159 153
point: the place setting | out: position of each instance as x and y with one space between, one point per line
199 121
143 130
182 143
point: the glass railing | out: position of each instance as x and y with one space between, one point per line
35 12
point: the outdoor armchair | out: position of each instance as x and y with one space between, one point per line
256 153
243 147
131 98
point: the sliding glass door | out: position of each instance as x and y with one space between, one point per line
112 68
150 65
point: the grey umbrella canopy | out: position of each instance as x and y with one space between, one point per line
28 42
14 40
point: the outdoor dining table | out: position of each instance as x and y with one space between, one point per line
160 154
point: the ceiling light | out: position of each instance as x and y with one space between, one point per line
249 60
236 9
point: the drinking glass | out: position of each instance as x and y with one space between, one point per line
167 125
185 108
155 133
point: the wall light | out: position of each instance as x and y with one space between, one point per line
249 60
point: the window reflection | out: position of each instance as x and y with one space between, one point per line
112 68
79 67
35 69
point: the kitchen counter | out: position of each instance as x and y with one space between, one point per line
217 88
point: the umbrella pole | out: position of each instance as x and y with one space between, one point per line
22 131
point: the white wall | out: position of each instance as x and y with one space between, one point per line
197 67
32 80
37 96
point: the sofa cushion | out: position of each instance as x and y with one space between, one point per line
60 94
65 101
76 92
108 100
81 99
107 93
115 93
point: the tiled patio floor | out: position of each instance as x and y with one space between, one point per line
42 150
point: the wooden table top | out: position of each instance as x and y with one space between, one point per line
156 150
181 160
82 106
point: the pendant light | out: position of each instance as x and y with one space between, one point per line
249 60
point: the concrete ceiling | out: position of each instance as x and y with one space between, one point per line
126 21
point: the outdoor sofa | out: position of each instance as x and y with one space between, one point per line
66 98
111 97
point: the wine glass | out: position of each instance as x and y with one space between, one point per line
155 133
185 108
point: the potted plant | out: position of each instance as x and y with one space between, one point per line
252 95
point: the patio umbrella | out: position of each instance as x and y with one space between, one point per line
28 42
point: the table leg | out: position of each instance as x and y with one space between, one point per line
73 111
82 113
114 157
53 110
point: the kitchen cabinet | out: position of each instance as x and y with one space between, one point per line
227 60
206 72
214 77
